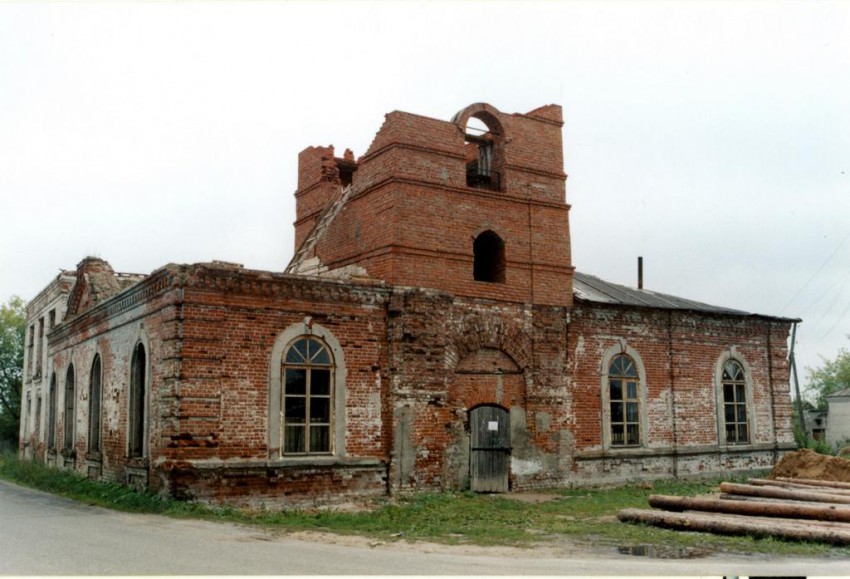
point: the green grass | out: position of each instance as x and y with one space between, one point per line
74 486
582 517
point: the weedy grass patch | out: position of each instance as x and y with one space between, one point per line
77 487
581 517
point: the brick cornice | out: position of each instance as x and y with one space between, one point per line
525 169
410 147
263 283
681 451
307 462
532 117
451 154
482 193
157 283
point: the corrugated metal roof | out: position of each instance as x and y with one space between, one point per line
593 289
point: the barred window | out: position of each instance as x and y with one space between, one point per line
308 394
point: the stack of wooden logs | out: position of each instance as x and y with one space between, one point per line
798 509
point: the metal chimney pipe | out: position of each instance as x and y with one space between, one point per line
640 272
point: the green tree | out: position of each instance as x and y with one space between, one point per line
832 376
12 324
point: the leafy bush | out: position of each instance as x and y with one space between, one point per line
805 441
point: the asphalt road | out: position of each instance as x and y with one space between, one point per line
41 534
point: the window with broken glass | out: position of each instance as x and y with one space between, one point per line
624 396
734 384
307 407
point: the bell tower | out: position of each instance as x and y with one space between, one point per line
475 206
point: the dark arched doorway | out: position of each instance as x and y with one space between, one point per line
488 251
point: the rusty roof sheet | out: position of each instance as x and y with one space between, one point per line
590 288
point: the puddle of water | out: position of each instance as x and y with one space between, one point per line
659 552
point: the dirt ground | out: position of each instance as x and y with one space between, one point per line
809 464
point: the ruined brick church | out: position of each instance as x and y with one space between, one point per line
429 333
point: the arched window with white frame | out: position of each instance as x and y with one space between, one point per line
623 385
734 387
308 395
306 412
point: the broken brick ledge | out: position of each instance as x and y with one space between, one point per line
684 450
279 463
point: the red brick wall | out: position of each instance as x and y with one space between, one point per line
411 219
209 334
230 322
421 351
303 486
417 362
318 185
679 351
444 352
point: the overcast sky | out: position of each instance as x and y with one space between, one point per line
712 138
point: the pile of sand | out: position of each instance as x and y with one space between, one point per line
809 464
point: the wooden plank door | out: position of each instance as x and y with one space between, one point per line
490 449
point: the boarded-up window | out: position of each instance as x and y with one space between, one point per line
136 422
308 394
94 405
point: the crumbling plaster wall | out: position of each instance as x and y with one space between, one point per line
51 301
449 355
144 313
838 429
